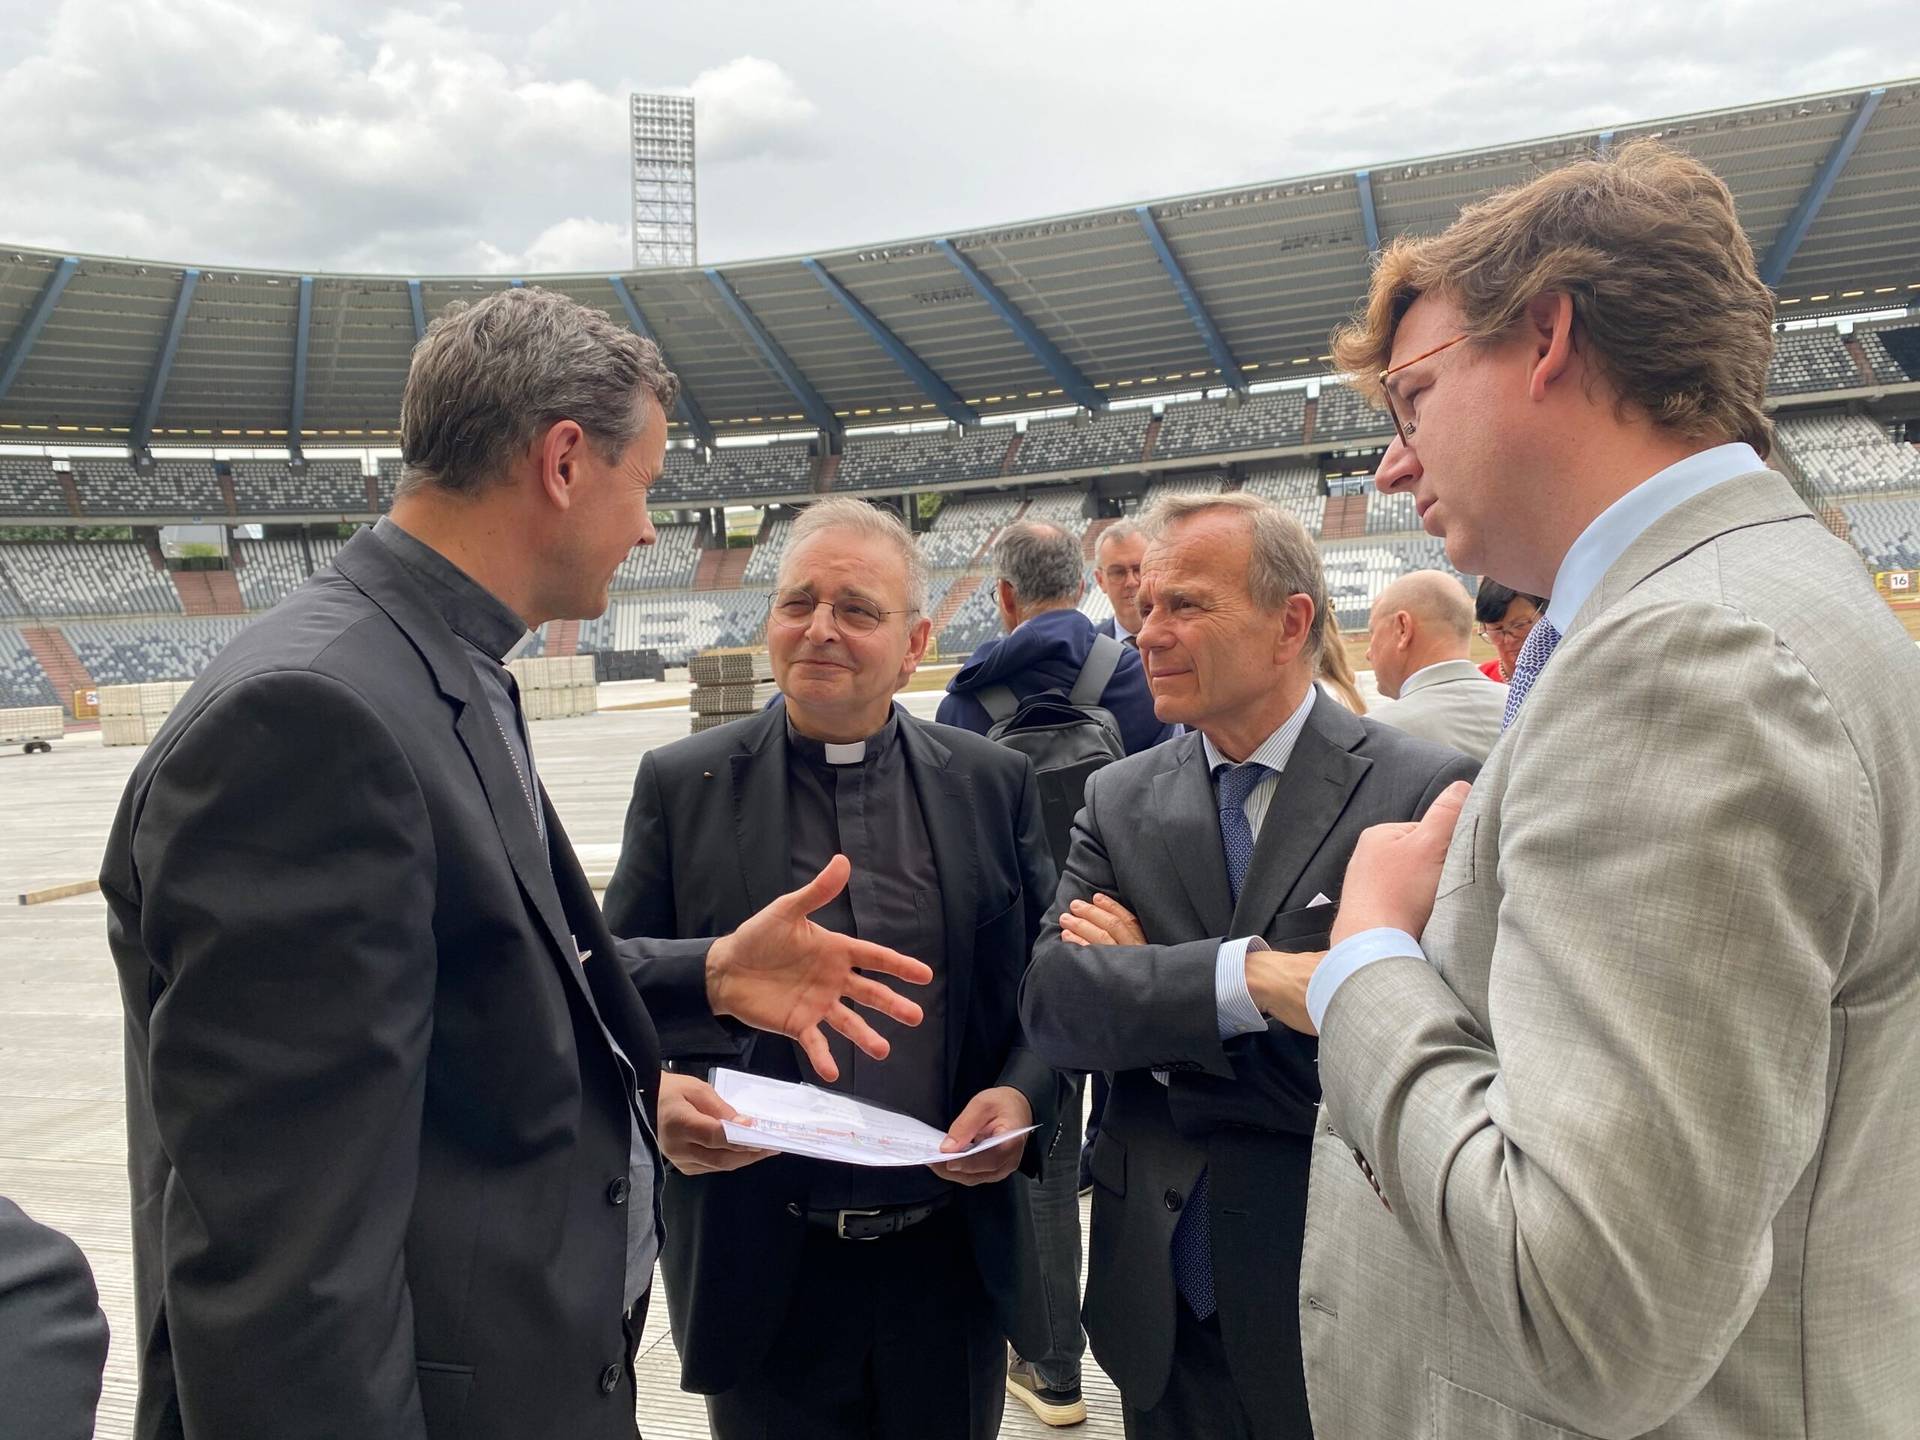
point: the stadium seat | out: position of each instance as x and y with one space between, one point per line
28 486
1115 439
323 487
1223 427
96 577
22 681
1847 455
901 462
112 486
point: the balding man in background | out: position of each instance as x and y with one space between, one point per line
1417 644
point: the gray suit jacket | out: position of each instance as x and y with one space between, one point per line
1649 1121
53 1338
1452 703
1150 837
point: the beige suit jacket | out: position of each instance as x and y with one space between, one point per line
1648 1116
1452 703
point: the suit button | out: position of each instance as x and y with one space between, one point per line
618 1191
1172 1198
609 1379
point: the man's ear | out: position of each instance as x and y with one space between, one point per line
557 455
1548 322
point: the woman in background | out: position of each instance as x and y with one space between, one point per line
1336 671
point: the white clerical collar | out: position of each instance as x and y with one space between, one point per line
852 754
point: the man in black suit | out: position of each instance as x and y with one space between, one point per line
1189 861
391 1098
53 1338
826 1300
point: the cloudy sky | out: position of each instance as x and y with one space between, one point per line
491 136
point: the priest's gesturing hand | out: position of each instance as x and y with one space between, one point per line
782 973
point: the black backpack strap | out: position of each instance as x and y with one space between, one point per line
998 701
1095 675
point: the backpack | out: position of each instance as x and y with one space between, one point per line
1067 737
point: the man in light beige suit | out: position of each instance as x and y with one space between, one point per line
1629 1141
1417 638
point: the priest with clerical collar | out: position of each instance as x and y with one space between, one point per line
782 1314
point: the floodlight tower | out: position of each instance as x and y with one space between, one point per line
663 190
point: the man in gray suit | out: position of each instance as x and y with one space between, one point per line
1627 1141
1188 862
1417 644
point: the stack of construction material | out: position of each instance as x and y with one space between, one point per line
133 714
32 726
556 686
728 684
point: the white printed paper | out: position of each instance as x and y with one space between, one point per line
806 1120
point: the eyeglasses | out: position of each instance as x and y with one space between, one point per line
794 608
1403 428
1515 630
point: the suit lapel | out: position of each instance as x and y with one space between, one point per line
1320 778
946 805
759 789
380 575
1190 829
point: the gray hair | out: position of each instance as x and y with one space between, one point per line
1040 561
844 512
1116 532
488 376
1284 562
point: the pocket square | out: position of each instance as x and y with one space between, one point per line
1318 900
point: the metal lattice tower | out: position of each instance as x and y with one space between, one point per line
663 189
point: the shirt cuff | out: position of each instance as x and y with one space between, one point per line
1233 1002
1351 954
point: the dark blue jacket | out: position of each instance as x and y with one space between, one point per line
1046 653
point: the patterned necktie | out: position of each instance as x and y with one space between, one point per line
1527 666
1193 1234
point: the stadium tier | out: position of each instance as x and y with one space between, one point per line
1296 488
1806 360
1105 441
899 462
692 477
1223 427
321 487
112 486
667 564
105 577
22 681
1893 352
132 652
964 527
1886 532
28 487
1345 415
764 566
1847 455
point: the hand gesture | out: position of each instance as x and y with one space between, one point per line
991 1112
1100 921
781 973
691 1135
1395 870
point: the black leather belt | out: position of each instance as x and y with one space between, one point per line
876 1224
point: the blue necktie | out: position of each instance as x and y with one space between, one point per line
1193 1235
1527 666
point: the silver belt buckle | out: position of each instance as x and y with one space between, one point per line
840 1224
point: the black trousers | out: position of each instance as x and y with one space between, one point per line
1200 1399
889 1339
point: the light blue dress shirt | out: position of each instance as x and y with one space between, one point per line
1237 1013
1587 560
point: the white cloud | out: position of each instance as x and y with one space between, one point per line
565 247
749 109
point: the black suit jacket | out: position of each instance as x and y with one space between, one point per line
705 847
53 1338
1244 1110
373 1120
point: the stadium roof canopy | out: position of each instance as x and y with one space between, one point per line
1225 288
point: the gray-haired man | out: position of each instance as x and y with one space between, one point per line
1188 862
392 1096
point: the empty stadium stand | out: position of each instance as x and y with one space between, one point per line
268 570
1115 439
1186 485
387 480
1065 508
113 486
22 681
1295 487
667 564
963 526
1357 573
971 626
678 625
128 652
1848 455
1222 427
1886 533
901 462
735 472
1344 414
103 577
1390 514
28 486
321 487
764 568
1893 352
1808 360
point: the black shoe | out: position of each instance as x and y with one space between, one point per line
1050 1407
